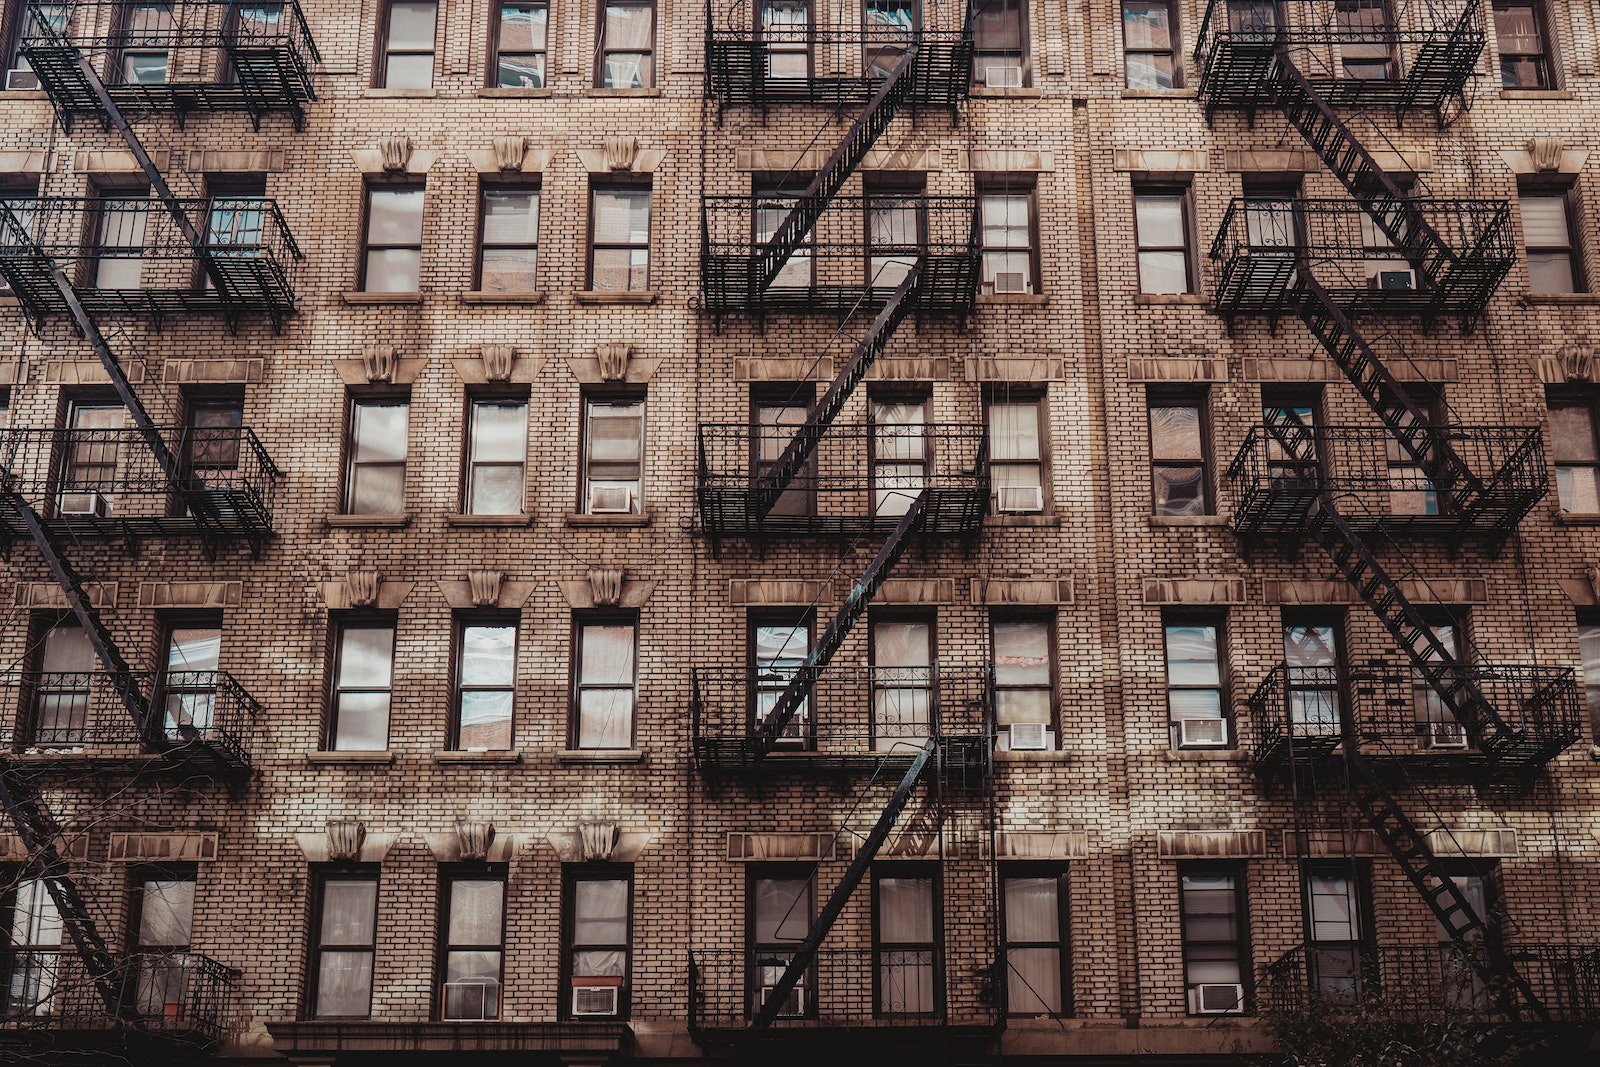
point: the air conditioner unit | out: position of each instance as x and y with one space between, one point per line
1395 280
610 500
1202 733
595 999
1446 735
1019 498
793 1005
471 1000
1010 282
1029 737
1003 76
20 80
87 502
1216 999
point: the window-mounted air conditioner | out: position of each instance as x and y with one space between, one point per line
594 999
610 500
87 502
1003 76
1395 280
1202 733
1029 737
1446 735
471 1000
1216 998
1010 282
793 1005
21 80
1013 499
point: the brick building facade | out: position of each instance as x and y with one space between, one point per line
454 695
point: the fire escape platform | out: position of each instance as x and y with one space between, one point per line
834 67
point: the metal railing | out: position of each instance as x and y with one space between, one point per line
859 251
1428 982
834 66
182 995
1388 710
1378 484
207 712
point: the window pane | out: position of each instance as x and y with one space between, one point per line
362 721
510 216
380 432
782 910
366 657
1179 491
344 983
475 912
166 912
1192 656
1310 646
510 270
394 216
393 270
194 648
1033 981
1163 272
600 912
1014 431
1150 70
627 27
377 491
1550 272
1194 704
902 644
1033 909
905 910
607 655
1022 653
1146 24
621 216
1572 434
997 26
1159 219
520 72
1175 433
522 27
1579 489
621 269
591 964
411 23
499 431
1544 221
496 491
349 912
488 655
605 718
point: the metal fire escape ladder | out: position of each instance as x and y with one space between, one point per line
868 850
769 729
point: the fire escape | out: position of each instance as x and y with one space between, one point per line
798 716
63 488
1352 490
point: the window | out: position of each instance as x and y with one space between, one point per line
1436 725
142 29
1291 407
1367 39
345 923
508 255
1161 224
613 455
1270 216
1024 678
188 684
896 213
30 21
1008 238
899 446
1179 484
1463 988
1215 951
213 433
18 195
236 220
1149 44
775 417
901 651
1313 657
472 947
61 691
1411 491
519 45
1554 265
627 36
783 28
1038 981
606 675
375 464
1383 266
88 481
1016 451
619 246
889 26
405 56
1000 44
120 214
778 648
1589 660
362 686
163 921
907 976
1575 445
780 905
1337 948
30 966
1519 33
774 202
391 257
486 676
599 935
497 449
1195 702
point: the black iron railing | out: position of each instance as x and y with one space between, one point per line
183 55
1264 243
200 714
836 67
1390 711
1429 982
858 252
127 255
182 995
860 479
1376 484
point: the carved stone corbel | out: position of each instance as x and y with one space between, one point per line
484 585
613 359
474 839
379 363
345 838
1546 151
598 839
396 152
605 584
621 152
509 152
498 361
362 588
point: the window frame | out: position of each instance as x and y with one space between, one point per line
169 625
1007 394
1174 618
908 870
460 624
369 188
1589 401
757 872
1544 60
612 183
12 31
1183 191
614 396
1589 618
322 875
1566 193
470 465
1358 873
801 501
1049 620
1024 54
1200 399
580 621
571 875
601 51
1061 872
372 398
496 25
449 875
799 619
1239 872
894 396
876 617
1174 51
342 623
535 187
384 52
1027 186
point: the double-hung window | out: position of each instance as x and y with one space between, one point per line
121 216
1196 707
35 21
901 651
776 415
1008 238
907 964
89 459
497 453
375 456
1016 451
900 452
605 680
1038 978
781 905
363 685
1216 955
405 55
62 690
1575 446
619 245
391 253
1436 725
1313 658
1024 686
141 41
30 968
613 455
1180 486
1150 44
520 45
1335 928
163 921
486 673
627 44
1161 230
1589 666
508 254
1520 36
778 648
599 942
1000 44
344 943
188 684
1550 240
472 947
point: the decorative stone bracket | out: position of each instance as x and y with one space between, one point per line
325 848
587 842
364 589
510 155
491 589
471 842
498 365
583 592
613 362
394 155
379 365
620 154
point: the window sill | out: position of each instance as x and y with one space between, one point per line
501 92
1021 92
338 521
1168 298
1034 299
457 755
1578 518
1188 520
626 296
373 758
24 94
479 296
654 90
1536 94
1559 299
9 300
1007 756
361 298
488 520
601 755
578 518
1177 93
1207 755
399 94
1048 518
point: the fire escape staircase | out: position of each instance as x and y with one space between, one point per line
36 826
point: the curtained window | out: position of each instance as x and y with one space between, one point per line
472 953
1037 980
599 941
606 679
906 948
344 945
